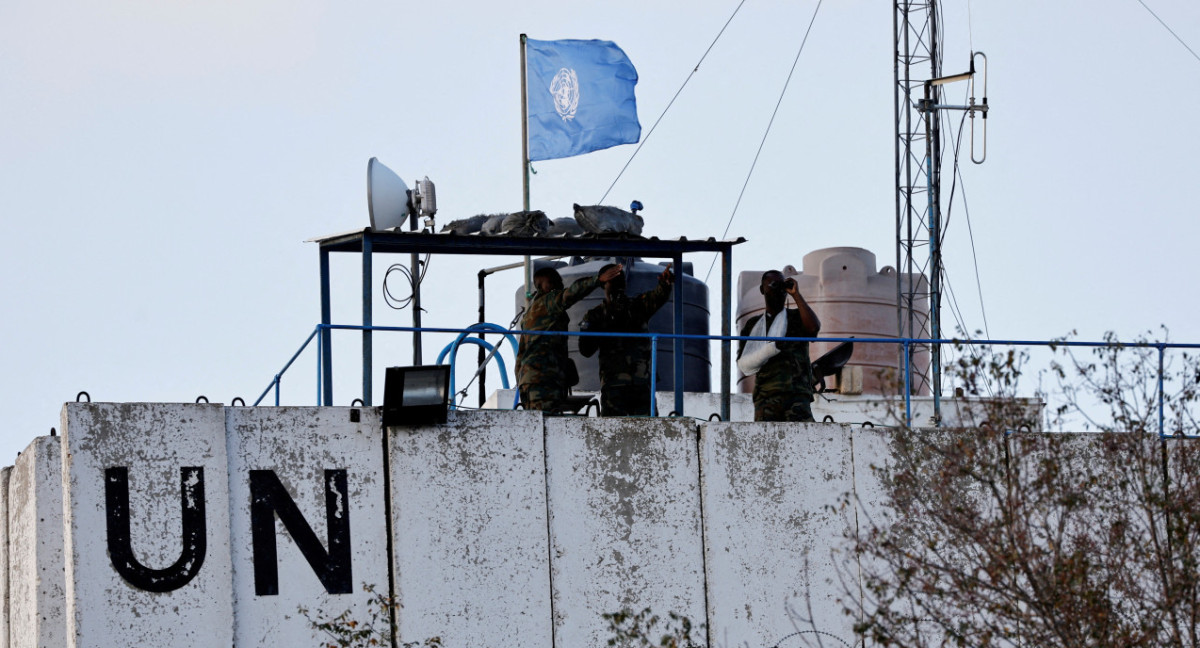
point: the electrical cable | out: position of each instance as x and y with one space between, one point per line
940 42
388 297
975 259
399 303
1165 26
494 351
766 133
955 309
953 177
670 103
956 187
972 349
481 368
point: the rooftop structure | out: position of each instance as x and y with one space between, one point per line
368 241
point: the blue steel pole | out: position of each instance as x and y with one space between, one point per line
325 357
935 298
907 386
726 330
367 246
678 346
653 375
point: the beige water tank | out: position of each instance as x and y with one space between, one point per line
852 299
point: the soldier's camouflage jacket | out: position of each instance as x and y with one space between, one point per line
789 373
623 361
541 358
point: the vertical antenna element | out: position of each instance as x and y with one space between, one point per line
981 108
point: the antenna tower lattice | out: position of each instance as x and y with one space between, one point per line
918 226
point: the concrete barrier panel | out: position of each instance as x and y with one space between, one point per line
624 522
308 499
870 447
4 475
147 529
768 532
37 590
470 536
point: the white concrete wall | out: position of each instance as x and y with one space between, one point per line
624 522
37 594
870 449
469 530
4 537
299 444
154 442
768 534
507 528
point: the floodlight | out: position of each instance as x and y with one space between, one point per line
416 395
387 197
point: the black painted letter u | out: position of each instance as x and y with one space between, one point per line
191 496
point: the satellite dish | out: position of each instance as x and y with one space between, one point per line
387 197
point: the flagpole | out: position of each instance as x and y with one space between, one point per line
525 162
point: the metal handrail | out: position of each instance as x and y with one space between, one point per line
278 376
907 343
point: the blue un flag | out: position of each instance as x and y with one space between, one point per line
580 97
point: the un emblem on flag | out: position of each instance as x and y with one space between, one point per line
565 90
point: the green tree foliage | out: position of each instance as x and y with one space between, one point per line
644 629
998 534
346 631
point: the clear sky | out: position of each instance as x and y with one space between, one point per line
162 164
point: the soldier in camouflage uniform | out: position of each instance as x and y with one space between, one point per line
542 374
783 385
624 362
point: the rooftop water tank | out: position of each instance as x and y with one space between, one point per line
851 299
639 278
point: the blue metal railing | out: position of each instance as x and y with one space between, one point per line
906 343
275 382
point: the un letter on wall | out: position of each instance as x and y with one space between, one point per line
147 528
308 518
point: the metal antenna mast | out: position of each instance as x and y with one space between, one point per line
915 31
918 171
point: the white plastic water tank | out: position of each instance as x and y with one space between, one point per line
852 299
641 277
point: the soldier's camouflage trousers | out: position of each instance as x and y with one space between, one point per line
786 407
627 400
542 397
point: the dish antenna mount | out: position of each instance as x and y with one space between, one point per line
390 202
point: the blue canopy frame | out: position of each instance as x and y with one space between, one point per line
368 242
